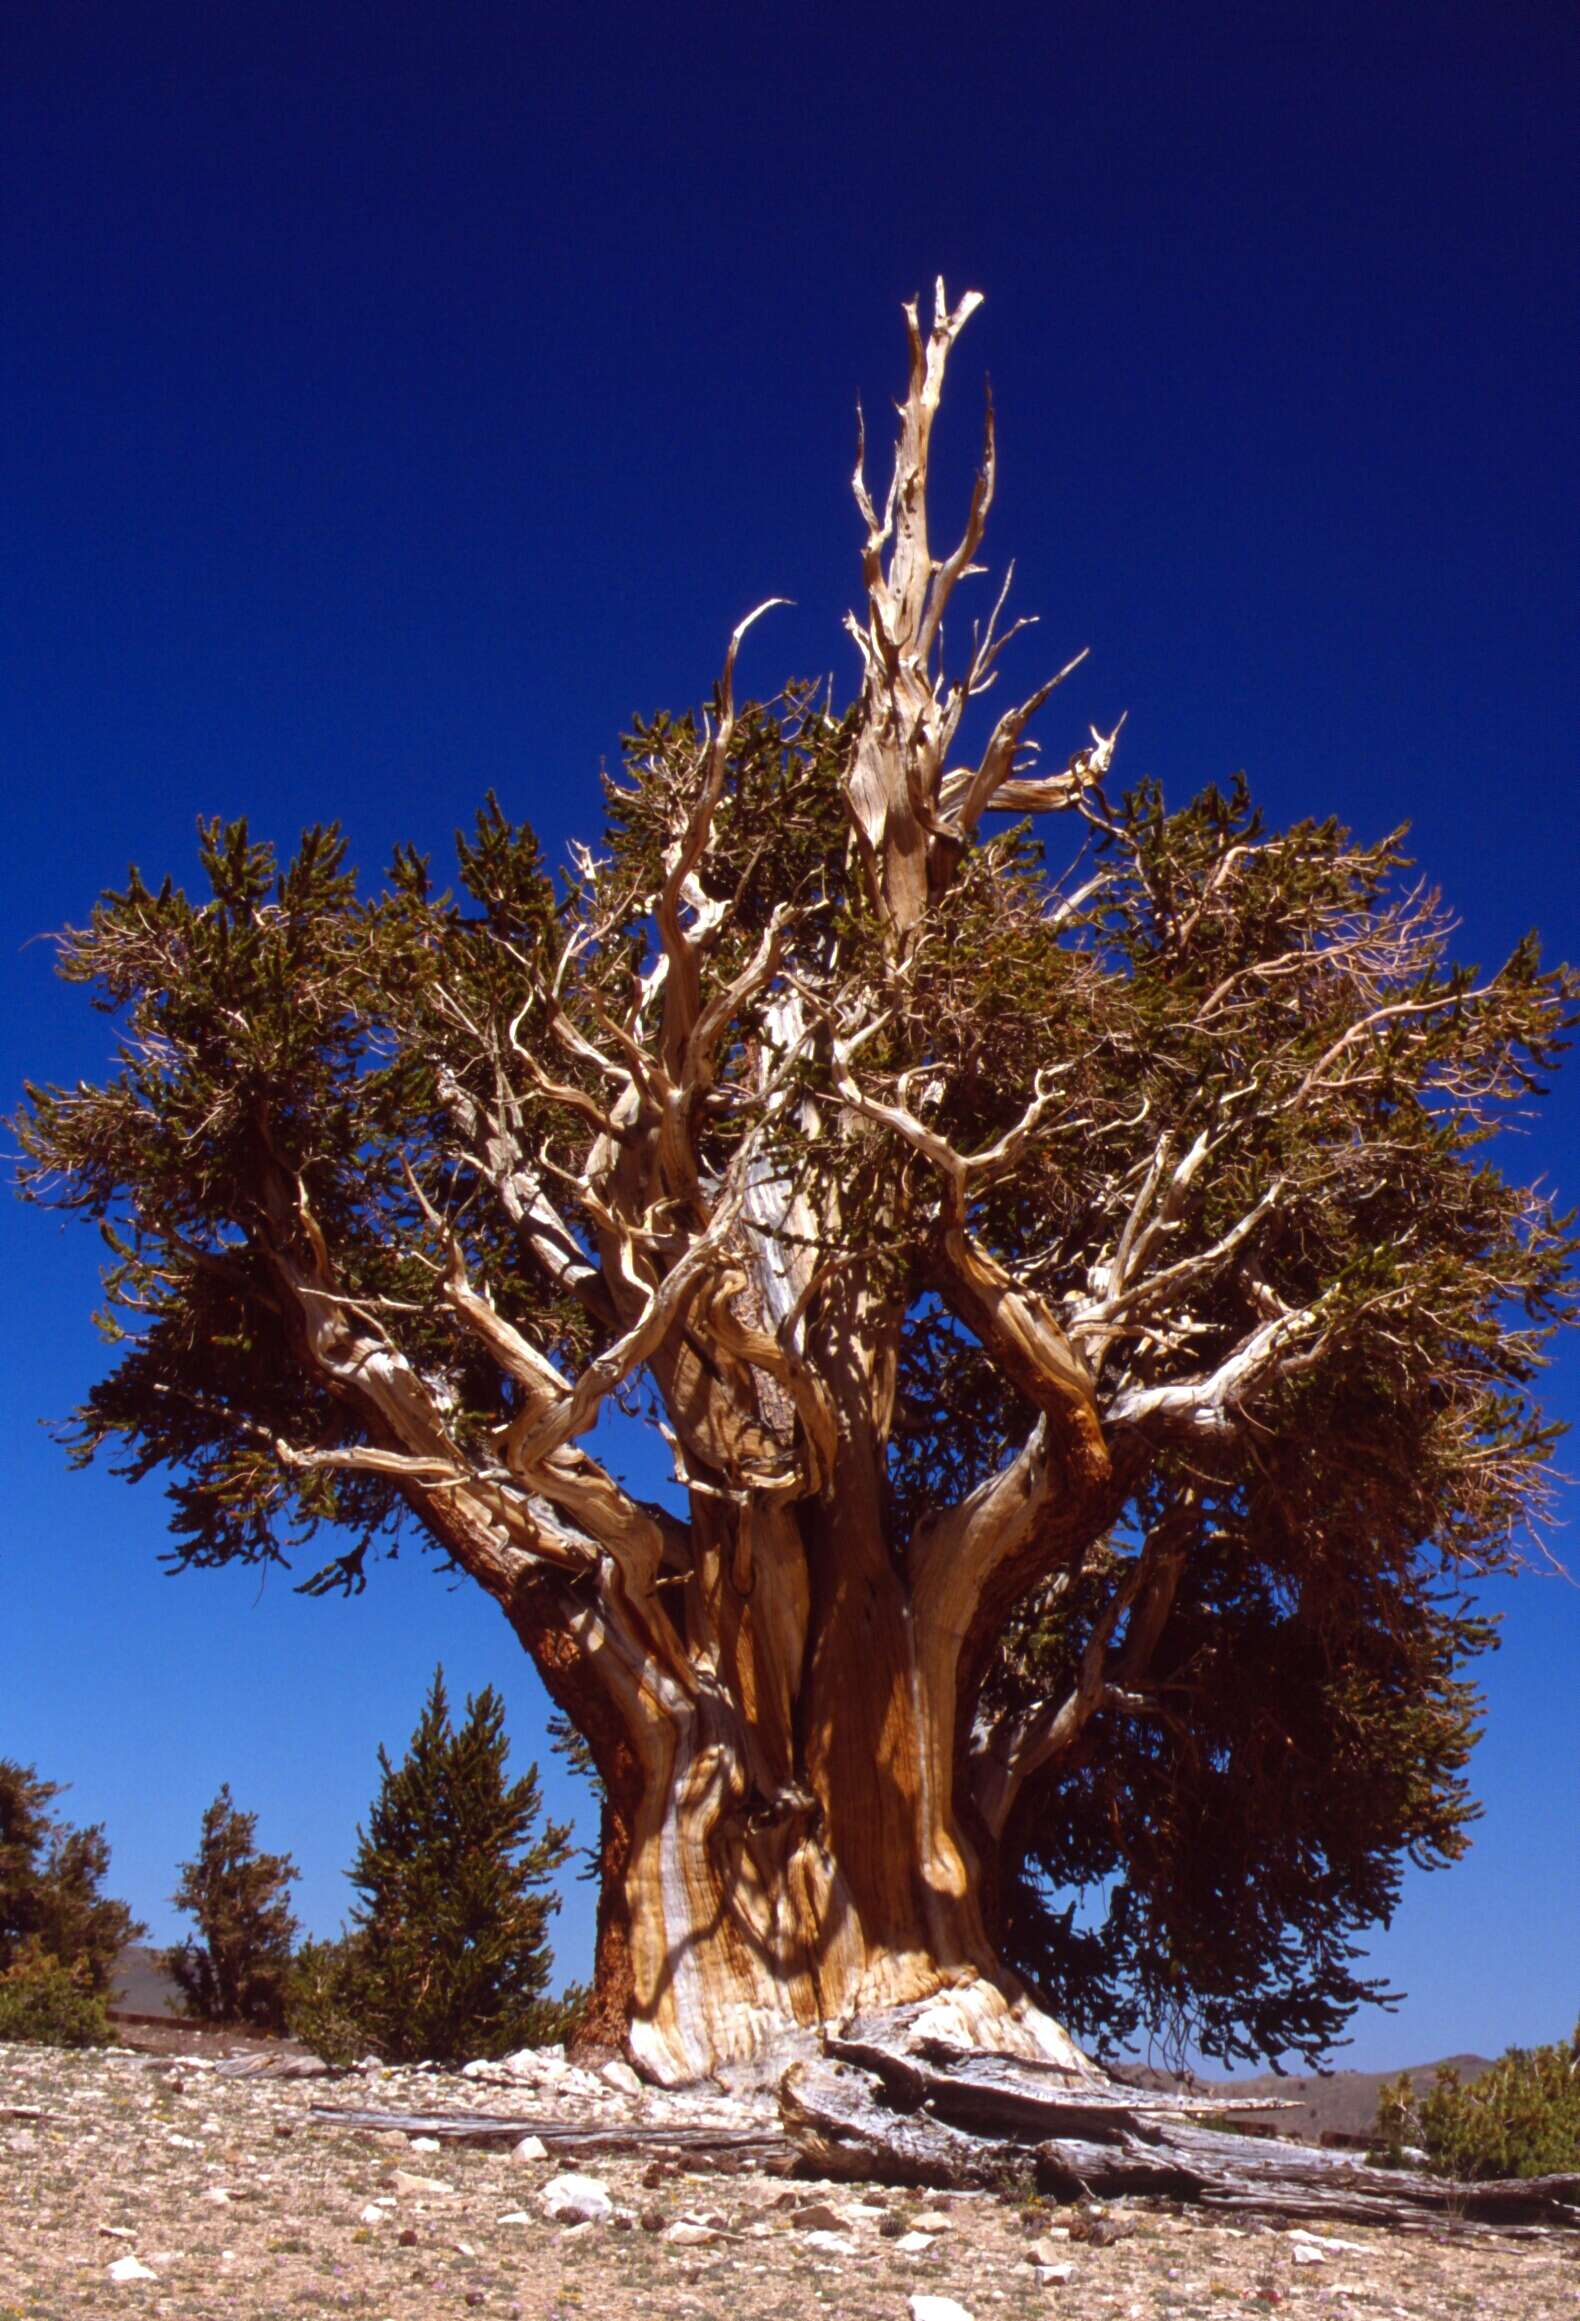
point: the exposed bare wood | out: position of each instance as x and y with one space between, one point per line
949 2119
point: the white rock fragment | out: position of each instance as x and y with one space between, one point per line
372 2214
1326 2242
530 2148
421 2187
1304 2254
131 2269
1048 2248
217 2195
1054 2276
937 2309
685 2232
619 2074
576 2200
833 2244
914 2244
932 2220
515 2216
424 2144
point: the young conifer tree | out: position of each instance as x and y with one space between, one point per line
451 1960
51 1878
235 1970
1052 1235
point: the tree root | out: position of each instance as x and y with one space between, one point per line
879 2107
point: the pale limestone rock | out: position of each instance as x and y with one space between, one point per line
131 2269
1048 2249
576 2200
421 2187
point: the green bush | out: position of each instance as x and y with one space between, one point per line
44 2003
336 2003
327 2001
50 1880
1521 2118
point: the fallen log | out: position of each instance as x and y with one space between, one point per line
884 2113
726 2147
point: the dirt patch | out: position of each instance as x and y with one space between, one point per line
240 2204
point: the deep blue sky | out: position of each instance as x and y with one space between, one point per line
393 400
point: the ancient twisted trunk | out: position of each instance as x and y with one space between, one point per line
782 1846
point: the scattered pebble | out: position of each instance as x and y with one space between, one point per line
937 2309
576 2200
817 2216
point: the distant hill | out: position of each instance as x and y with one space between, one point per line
1342 2102
1336 2103
141 1986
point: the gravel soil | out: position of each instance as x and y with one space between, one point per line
238 2203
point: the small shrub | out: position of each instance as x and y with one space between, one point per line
1521 2118
44 2003
335 2003
326 2001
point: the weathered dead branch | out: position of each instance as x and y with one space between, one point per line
932 2114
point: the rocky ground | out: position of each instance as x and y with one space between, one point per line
159 2183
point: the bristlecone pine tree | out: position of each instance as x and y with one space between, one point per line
1092 1346
51 1876
235 1970
451 1958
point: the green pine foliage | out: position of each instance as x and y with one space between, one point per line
1521 2118
52 1906
448 1958
235 1969
44 2003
